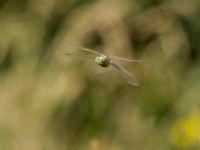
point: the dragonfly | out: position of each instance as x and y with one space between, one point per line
104 60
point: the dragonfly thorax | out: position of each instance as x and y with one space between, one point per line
103 60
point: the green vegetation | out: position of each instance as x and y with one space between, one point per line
49 101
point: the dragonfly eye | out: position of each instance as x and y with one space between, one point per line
103 60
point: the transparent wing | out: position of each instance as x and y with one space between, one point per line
126 59
83 48
131 78
83 57
98 53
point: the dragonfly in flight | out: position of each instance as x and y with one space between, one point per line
106 61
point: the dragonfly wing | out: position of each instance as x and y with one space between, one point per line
131 78
82 48
83 57
126 59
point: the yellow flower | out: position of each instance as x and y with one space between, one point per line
185 132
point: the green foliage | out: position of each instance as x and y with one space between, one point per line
50 101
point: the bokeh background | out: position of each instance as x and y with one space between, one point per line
49 101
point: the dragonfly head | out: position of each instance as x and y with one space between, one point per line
103 60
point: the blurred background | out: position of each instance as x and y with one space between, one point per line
49 101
